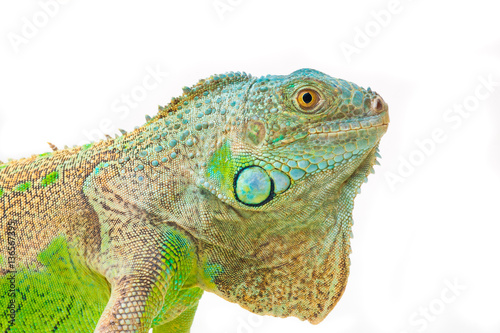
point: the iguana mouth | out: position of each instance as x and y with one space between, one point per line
346 126
331 130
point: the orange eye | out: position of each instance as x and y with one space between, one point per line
308 99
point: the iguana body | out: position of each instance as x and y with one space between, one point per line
243 187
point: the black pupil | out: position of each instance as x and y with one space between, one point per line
307 98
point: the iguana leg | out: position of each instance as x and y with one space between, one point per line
145 279
185 300
131 307
181 324
146 260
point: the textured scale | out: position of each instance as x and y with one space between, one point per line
242 186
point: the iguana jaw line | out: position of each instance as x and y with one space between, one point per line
346 126
333 128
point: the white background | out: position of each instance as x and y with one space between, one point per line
428 218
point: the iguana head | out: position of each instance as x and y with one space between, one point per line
290 129
278 171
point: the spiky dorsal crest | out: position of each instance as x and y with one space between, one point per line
203 85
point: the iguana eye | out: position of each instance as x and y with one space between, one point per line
308 99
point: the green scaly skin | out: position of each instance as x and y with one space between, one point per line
243 187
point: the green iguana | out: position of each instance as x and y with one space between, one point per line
242 186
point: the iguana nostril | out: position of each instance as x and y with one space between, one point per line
378 105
